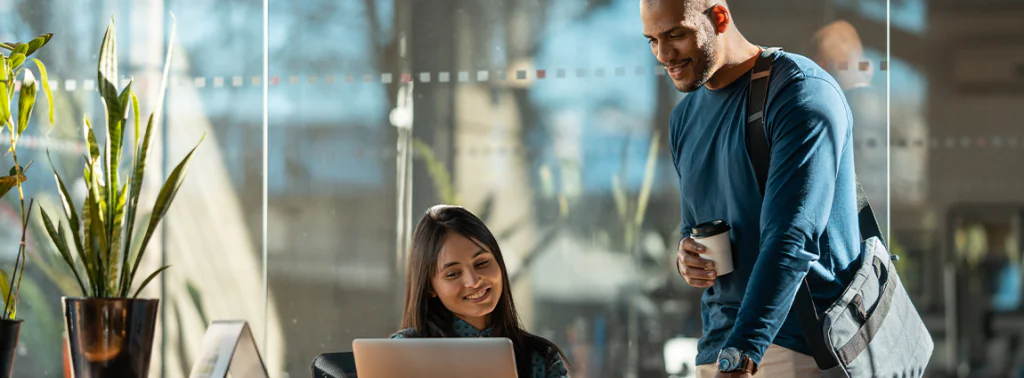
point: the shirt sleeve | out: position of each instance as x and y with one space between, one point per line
674 142
403 334
809 130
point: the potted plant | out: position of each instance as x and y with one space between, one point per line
110 330
16 123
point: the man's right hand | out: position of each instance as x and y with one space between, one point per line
697 271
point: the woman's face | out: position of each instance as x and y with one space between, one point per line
468 280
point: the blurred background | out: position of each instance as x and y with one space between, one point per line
546 118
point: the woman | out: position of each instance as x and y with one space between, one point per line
457 286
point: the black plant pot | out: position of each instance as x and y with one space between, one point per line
110 337
9 330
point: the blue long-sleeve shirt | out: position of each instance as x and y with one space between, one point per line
806 223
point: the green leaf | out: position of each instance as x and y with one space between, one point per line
5 108
197 301
438 172
5 287
8 45
111 157
69 206
46 88
17 59
107 72
96 229
26 102
115 240
3 68
619 195
38 42
20 48
125 99
97 232
150 278
649 173
163 201
90 138
135 111
114 148
137 177
89 246
59 239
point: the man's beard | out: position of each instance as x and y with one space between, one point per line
702 64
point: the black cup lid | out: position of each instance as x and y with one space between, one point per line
711 228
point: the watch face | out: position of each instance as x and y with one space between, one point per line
724 365
728 359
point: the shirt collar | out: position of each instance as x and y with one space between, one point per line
464 329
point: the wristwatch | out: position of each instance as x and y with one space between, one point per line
732 360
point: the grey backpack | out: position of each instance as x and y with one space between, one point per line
872 329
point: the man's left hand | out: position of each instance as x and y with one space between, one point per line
735 374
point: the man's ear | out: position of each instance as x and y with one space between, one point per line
720 18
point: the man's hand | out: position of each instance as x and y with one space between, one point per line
735 374
697 272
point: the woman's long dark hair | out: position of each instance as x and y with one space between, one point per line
428 317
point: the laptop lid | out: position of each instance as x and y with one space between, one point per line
435 357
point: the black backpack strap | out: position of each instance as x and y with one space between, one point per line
759 148
757 140
760 156
866 218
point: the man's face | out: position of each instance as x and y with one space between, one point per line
683 41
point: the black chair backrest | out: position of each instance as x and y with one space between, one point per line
335 365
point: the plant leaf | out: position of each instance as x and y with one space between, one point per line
5 107
90 138
59 239
438 172
97 233
20 48
619 195
9 182
197 301
649 173
46 88
125 99
5 287
107 71
110 163
115 241
137 177
150 278
17 59
135 111
8 45
114 148
38 42
97 229
26 101
89 247
163 202
67 202
72 216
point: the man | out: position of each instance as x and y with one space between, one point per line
837 48
806 223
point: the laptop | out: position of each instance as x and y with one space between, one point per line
491 357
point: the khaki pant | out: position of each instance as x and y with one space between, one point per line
778 362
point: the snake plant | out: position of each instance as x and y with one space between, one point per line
97 242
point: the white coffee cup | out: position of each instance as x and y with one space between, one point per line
714 236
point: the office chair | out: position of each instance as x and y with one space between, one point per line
335 365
